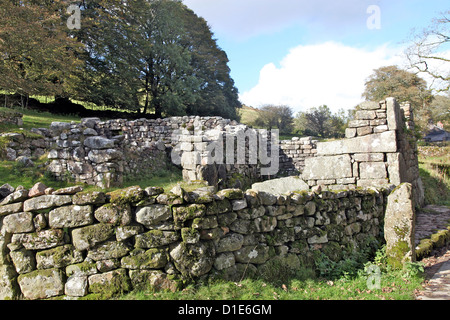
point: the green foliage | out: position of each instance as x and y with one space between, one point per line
405 86
321 122
37 55
271 117
16 174
154 56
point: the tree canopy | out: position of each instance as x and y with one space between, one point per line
405 86
272 117
321 122
153 56
37 55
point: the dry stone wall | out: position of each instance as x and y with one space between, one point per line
380 149
72 243
103 152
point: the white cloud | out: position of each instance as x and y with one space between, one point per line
242 19
312 75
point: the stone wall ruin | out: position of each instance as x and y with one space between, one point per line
73 243
379 150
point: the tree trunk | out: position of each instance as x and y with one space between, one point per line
158 111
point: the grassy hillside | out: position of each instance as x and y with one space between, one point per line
248 115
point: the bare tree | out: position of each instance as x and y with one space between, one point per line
426 53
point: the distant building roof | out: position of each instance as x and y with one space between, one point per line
437 135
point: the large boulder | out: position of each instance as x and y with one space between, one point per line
399 226
71 216
281 186
46 202
328 167
153 215
193 260
98 142
87 237
42 284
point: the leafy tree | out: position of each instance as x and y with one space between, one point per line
155 55
321 122
134 55
217 94
391 81
394 82
440 110
280 117
38 57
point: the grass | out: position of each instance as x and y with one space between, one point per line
248 115
36 119
392 288
434 166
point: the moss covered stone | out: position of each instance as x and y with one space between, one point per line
193 260
110 283
128 195
154 280
441 238
40 240
58 257
218 207
87 237
108 250
205 223
114 214
89 197
252 254
153 215
231 194
82 269
156 238
190 235
182 214
333 251
146 260
335 232
424 248
42 284
399 226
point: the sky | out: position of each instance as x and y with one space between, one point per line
308 53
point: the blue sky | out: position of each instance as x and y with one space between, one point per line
306 53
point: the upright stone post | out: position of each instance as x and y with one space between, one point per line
399 226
